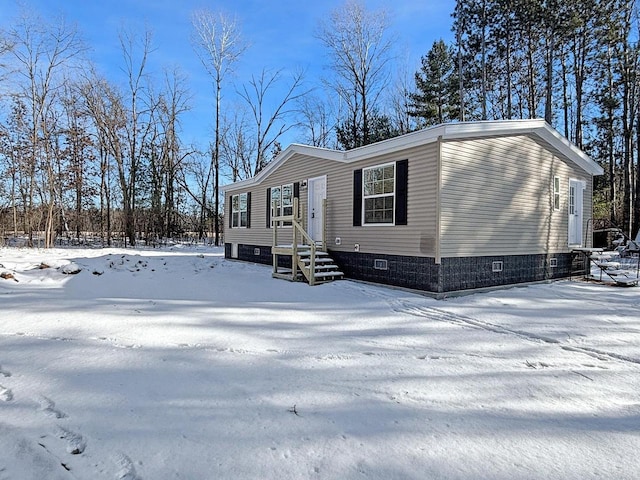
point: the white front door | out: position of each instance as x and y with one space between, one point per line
575 212
317 189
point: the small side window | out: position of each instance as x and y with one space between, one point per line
556 193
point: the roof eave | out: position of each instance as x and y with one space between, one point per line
294 148
551 136
451 131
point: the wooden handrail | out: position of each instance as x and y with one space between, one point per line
324 225
297 229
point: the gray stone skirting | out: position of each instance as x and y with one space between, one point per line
422 273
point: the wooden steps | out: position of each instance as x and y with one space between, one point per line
608 270
309 259
324 268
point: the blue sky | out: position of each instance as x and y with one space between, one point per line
280 34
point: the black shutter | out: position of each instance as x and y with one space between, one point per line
248 209
268 208
296 194
402 170
357 198
230 211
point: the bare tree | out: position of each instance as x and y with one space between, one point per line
316 118
78 153
5 48
14 142
104 104
360 52
166 153
137 128
400 101
219 44
41 51
194 176
270 127
237 147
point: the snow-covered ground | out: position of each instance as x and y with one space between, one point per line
178 364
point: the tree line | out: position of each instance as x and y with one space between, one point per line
80 152
575 64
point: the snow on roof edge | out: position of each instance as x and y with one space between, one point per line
421 137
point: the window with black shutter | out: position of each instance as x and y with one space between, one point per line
380 194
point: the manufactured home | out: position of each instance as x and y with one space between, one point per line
453 207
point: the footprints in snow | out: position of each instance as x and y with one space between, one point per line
117 343
6 395
75 442
126 470
49 408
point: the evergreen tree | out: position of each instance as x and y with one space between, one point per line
380 128
436 99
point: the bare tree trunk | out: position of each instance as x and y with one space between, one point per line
460 72
219 46
565 95
508 73
636 209
548 108
483 60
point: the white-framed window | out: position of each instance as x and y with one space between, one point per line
572 199
556 193
282 196
239 210
378 194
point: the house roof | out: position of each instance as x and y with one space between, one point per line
449 131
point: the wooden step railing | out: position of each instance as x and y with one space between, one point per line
300 239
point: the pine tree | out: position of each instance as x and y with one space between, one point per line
380 128
436 99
